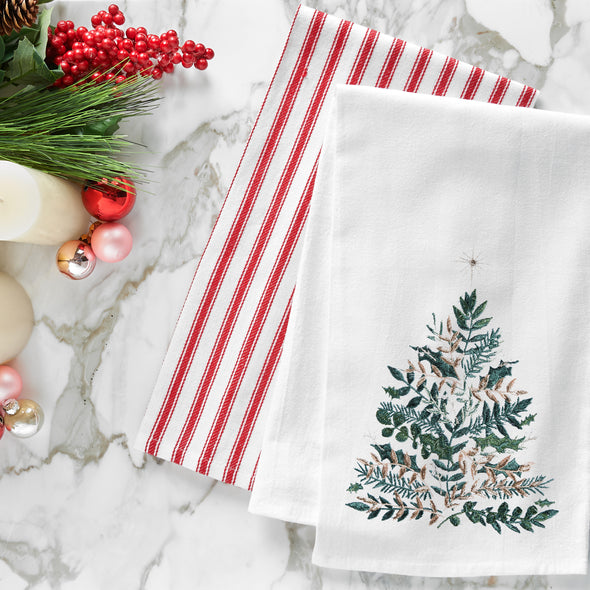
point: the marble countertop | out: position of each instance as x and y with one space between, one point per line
83 510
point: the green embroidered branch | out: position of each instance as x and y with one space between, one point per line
398 510
502 516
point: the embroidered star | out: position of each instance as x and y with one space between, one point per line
472 261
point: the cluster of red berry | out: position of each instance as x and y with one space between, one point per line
109 52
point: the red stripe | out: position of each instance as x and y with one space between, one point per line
255 328
257 398
232 240
392 60
252 479
363 59
360 66
418 70
445 77
261 241
526 96
499 90
472 84
254 331
260 390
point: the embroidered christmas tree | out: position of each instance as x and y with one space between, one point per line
453 431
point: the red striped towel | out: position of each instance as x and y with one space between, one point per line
206 412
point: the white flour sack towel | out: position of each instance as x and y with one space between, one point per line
455 409
208 406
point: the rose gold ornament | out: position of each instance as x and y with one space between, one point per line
11 383
111 242
76 260
27 421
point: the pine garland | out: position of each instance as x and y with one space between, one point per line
69 132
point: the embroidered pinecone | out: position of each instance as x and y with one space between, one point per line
16 14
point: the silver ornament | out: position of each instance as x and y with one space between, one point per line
27 420
76 260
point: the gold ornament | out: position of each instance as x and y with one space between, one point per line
27 420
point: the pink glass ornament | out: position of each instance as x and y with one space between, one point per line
111 242
11 383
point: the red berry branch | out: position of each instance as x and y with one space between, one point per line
109 52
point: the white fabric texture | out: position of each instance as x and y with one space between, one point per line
461 450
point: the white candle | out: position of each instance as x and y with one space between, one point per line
16 317
39 208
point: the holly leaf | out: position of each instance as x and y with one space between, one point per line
499 372
105 127
42 26
436 360
28 66
500 444
528 420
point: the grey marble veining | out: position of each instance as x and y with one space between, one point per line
82 510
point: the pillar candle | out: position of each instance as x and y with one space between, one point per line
16 317
39 208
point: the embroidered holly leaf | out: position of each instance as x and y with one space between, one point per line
436 360
500 444
496 373
395 393
530 418
543 503
438 445
354 487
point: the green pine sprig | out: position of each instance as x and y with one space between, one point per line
70 132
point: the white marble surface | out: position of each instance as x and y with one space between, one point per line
81 510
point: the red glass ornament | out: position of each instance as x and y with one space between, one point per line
109 201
